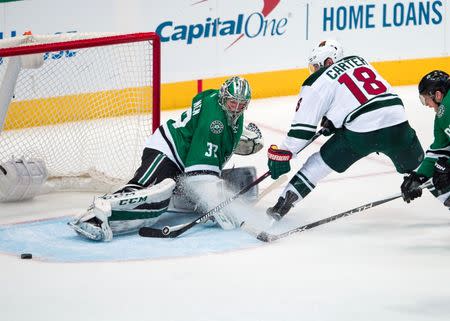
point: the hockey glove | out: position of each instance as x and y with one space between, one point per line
441 176
278 161
327 126
250 142
411 186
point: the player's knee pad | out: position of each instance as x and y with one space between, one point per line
21 179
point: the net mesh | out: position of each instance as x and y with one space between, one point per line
85 112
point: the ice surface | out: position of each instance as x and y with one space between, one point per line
391 262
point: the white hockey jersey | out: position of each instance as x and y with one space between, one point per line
350 93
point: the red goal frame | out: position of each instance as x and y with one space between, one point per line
105 41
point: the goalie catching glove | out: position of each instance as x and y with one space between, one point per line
278 162
250 142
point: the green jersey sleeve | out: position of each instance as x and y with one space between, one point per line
441 144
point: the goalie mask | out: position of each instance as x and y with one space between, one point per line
435 80
324 50
234 97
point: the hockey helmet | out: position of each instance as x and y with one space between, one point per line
325 49
234 97
436 80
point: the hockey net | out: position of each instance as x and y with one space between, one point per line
83 103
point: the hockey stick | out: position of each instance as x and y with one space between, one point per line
275 184
167 232
267 237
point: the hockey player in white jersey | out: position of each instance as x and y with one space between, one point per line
354 104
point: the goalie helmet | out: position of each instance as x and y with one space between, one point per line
234 97
325 49
434 81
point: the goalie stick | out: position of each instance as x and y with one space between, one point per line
171 232
267 237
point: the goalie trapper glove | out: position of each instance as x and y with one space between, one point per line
278 161
250 142
410 187
441 176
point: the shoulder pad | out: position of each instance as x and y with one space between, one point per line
312 78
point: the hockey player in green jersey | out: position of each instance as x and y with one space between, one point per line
434 92
357 107
195 148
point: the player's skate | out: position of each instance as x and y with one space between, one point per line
94 223
282 207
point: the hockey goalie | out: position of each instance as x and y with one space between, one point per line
183 162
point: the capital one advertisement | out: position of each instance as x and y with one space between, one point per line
213 38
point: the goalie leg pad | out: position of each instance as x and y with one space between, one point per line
132 211
125 212
21 179
238 178
208 191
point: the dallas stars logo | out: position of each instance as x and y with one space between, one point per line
216 127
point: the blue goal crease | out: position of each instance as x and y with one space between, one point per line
52 240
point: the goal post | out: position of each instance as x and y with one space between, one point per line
84 103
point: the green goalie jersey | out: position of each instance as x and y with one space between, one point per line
441 143
201 139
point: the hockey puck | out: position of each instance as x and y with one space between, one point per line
26 256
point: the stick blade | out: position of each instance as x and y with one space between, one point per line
152 232
265 237
260 235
